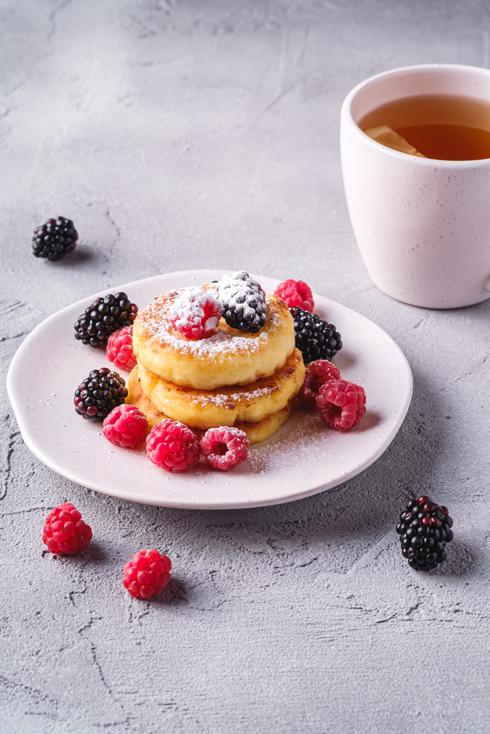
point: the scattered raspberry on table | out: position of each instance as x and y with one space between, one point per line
224 447
65 532
172 446
125 426
146 574
120 349
317 374
295 293
341 404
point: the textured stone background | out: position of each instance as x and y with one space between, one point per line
193 134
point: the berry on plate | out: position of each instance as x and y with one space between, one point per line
295 293
146 574
54 239
315 338
103 317
243 301
424 529
125 426
224 447
65 532
99 393
120 349
195 314
317 374
341 404
172 446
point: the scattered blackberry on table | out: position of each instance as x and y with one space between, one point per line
315 338
54 239
99 393
243 302
103 317
424 530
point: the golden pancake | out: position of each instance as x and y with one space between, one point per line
229 357
256 432
225 406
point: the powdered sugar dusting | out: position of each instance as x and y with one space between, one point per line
225 397
232 285
156 319
189 307
302 434
239 293
231 432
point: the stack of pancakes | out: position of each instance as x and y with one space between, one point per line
233 378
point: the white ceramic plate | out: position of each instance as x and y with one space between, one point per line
303 458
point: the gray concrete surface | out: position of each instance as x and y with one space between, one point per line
193 134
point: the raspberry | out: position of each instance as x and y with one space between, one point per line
173 446
317 374
125 426
64 531
341 404
295 293
224 447
195 314
146 574
120 349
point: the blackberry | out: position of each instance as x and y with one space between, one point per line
54 239
424 530
99 393
103 317
243 302
315 338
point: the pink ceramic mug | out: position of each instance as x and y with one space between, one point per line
422 225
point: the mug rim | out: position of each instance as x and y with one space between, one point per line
346 116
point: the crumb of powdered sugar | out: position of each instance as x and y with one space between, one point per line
302 432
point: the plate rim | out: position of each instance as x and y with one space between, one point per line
186 505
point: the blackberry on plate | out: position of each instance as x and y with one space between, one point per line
424 530
99 393
103 317
54 239
243 301
315 338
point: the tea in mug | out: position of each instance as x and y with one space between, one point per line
442 126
